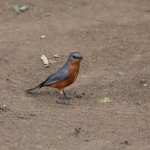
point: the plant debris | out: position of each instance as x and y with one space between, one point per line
20 9
142 81
3 59
45 60
24 115
105 100
56 56
125 142
78 130
92 96
3 108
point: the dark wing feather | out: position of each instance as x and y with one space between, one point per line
56 77
60 75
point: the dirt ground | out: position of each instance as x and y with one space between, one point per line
113 36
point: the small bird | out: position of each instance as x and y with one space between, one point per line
64 77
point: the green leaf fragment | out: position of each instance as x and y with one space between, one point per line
16 8
105 100
19 9
23 8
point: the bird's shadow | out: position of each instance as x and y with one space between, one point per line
42 93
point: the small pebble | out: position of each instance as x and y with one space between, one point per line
142 81
4 106
121 73
42 37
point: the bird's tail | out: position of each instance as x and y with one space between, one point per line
37 87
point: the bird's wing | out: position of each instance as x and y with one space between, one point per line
56 77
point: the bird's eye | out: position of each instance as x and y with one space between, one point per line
74 57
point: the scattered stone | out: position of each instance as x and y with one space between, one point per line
121 73
78 96
42 37
92 96
142 81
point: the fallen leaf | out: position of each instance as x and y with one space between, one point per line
23 8
19 9
16 8
45 60
56 56
105 100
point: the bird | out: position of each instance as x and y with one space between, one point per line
63 77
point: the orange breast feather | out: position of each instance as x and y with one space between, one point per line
73 73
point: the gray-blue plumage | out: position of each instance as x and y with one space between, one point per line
60 75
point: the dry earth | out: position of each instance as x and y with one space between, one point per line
113 36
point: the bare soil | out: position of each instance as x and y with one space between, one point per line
113 36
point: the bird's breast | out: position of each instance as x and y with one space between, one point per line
73 71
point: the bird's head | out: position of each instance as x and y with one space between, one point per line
75 56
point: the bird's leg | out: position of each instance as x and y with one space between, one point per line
62 97
63 101
65 95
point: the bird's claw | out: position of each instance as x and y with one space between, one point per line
62 103
67 98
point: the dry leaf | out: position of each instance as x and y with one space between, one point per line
45 60
56 56
105 100
19 9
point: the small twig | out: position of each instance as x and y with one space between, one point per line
77 130
22 117
3 59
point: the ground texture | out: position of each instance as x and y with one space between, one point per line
113 36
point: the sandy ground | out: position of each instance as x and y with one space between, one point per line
113 36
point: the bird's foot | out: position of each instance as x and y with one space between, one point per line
63 102
67 98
